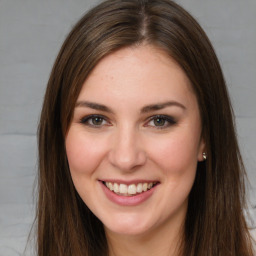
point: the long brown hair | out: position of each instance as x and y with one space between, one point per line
215 224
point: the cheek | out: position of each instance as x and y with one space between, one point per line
176 153
83 156
176 158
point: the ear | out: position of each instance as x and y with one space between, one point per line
201 150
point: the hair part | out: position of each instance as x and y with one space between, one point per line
215 224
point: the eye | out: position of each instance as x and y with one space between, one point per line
161 121
94 121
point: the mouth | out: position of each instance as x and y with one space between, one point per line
129 190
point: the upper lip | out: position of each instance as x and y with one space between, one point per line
128 182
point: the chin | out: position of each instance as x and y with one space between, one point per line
128 225
127 231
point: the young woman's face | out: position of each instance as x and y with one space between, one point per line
135 140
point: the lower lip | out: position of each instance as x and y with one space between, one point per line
128 200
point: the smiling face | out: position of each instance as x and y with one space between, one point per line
135 140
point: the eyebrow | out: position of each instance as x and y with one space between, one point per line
93 105
155 107
146 109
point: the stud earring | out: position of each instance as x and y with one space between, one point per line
204 156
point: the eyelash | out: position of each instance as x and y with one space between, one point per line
167 119
87 119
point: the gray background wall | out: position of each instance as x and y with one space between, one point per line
31 32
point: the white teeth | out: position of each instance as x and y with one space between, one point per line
139 188
110 186
132 189
116 188
123 189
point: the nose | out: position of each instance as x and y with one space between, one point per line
127 152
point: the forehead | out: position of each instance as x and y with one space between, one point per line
139 74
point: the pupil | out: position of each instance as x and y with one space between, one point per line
159 122
97 120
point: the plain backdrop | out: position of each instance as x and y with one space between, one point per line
31 33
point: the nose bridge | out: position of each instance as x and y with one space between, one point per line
127 151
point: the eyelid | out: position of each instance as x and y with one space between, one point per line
84 120
171 121
168 119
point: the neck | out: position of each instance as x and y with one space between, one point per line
158 242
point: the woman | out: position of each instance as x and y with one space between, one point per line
137 148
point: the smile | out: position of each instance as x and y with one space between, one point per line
129 190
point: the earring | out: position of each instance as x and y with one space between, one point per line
204 156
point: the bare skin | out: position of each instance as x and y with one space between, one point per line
136 121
